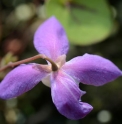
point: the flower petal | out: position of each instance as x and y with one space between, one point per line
20 80
92 70
66 96
50 39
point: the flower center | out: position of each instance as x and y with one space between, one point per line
60 61
53 64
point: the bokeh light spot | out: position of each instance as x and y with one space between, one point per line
24 12
104 116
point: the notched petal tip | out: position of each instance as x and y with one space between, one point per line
66 96
87 108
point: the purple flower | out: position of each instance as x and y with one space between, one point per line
50 40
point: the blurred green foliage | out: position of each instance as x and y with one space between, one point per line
86 22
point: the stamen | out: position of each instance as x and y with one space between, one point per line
13 64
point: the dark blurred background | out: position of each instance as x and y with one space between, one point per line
18 21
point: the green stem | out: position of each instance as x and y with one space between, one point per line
13 64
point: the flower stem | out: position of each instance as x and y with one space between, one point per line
54 66
13 64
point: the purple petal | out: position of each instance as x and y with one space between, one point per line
50 39
92 70
20 80
66 96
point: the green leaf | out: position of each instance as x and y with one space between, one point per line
85 21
